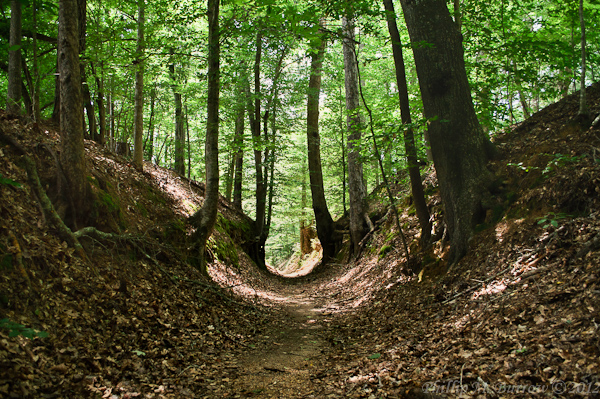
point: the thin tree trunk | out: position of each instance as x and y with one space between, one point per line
36 71
258 250
26 87
56 110
229 175
138 119
207 215
330 240
238 143
149 149
409 139
13 103
356 187
343 147
179 135
187 135
101 111
386 183
584 113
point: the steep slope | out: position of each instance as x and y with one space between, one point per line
124 318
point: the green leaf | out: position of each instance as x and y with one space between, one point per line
139 353
16 47
9 182
375 356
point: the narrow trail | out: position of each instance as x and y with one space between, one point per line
281 363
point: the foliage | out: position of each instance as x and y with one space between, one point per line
9 182
551 219
16 329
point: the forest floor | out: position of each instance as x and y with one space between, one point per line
519 316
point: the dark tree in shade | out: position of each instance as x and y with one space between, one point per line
13 103
458 145
77 195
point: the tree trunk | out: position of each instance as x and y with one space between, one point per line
330 240
138 119
207 215
36 70
584 113
409 139
149 147
458 144
72 155
356 187
187 137
258 252
179 133
238 147
101 139
56 110
13 102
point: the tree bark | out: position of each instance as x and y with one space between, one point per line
258 254
138 119
409 139
149 147
13 103
458 144
179 133
330 240
72 154
36 70
584 113
207 215
238 143
101 138
356 187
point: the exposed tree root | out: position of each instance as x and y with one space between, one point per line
64 232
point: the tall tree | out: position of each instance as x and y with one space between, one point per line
238 157
254 113
207 215
36 70
179 165
330 239
409 139
356 187
13 103
149 144
458 144
78 191
584 113
138 119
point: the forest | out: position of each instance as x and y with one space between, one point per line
263 198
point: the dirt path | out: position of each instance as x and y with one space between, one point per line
280 364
